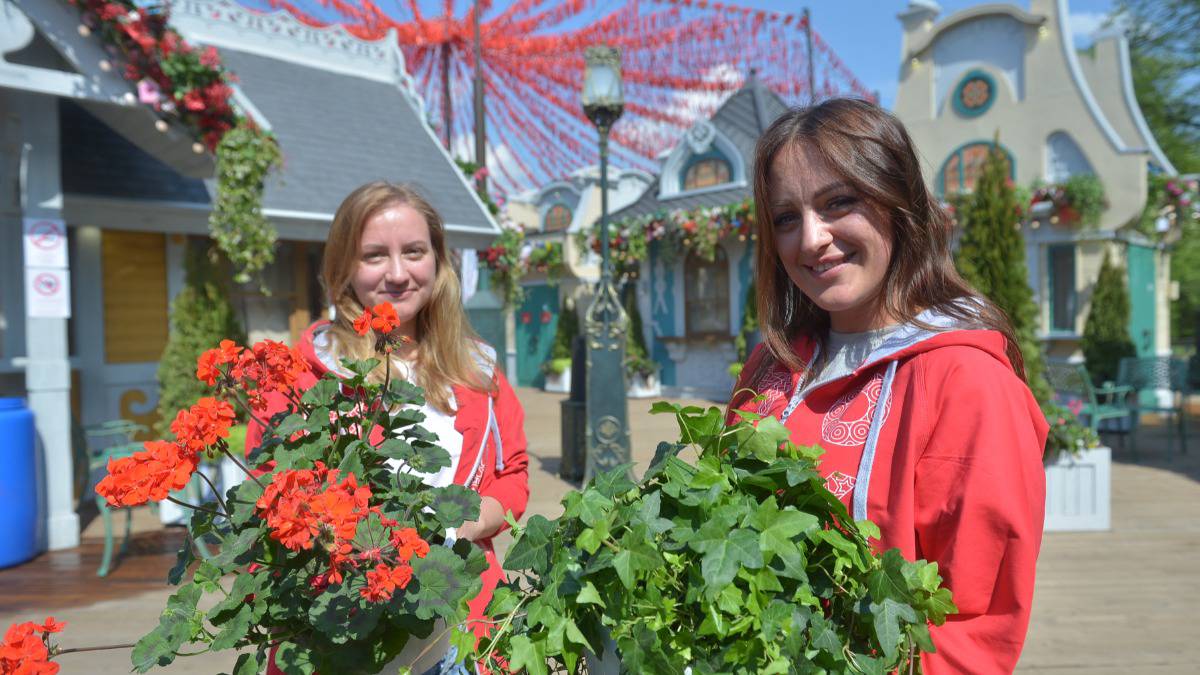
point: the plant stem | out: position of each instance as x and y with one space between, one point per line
196 508
216 492
74 650
431 645
225 449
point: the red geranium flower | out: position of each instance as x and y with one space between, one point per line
203 424
149 475
25 652
383 581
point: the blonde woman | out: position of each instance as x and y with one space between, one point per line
388 245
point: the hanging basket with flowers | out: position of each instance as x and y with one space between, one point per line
189 87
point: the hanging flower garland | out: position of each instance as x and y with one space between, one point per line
1172 205
190 87
679 232
510 258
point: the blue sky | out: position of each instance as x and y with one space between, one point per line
866 33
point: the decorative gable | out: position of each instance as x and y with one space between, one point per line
705 160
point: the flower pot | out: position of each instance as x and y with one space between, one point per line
1078 491
644 386
558 382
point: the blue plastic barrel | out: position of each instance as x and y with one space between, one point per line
18 488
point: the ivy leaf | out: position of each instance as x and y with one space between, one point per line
453 505
888 580
778 528
614 481
588 595
531 550
723 560
593 507
528 654
886 617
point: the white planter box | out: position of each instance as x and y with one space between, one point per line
1079 492
560 383
644 387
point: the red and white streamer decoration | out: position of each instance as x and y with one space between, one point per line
680 60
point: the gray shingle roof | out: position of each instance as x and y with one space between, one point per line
338 132
742 118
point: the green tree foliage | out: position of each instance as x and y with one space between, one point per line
565 332
637 358
1106 333
201 316
1164 48
991 257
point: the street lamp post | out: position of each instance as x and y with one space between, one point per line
605 324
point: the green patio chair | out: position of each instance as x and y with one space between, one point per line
1094 406
94 446
1148 375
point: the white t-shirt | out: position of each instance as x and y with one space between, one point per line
437 422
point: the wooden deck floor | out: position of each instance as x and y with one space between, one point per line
1113 602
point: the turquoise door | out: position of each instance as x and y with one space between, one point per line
537 320
1141 263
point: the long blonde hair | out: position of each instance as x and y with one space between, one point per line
449 352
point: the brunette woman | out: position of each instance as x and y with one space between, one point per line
876 349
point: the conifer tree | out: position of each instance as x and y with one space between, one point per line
991 257
201 316
1106 333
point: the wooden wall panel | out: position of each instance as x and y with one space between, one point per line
134 274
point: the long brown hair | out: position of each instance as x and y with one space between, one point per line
448 349
869 149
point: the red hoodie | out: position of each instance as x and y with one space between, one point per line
500 472
938 442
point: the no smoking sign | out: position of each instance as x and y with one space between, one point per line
47 293
45 243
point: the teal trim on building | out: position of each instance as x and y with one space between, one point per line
1140 266
662 314
974 79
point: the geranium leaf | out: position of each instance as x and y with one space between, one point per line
178 624
455 504
234 629
443 588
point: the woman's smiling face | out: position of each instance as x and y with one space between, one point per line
396 263
835 245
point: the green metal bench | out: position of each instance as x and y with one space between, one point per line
95 445
1150 375
1073 388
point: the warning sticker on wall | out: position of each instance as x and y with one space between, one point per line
45 242
47 292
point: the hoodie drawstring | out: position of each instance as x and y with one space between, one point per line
862 482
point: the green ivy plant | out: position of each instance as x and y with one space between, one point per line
245 156
738 561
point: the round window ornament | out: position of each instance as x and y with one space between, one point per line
975 94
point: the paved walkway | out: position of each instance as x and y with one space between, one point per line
1114 602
